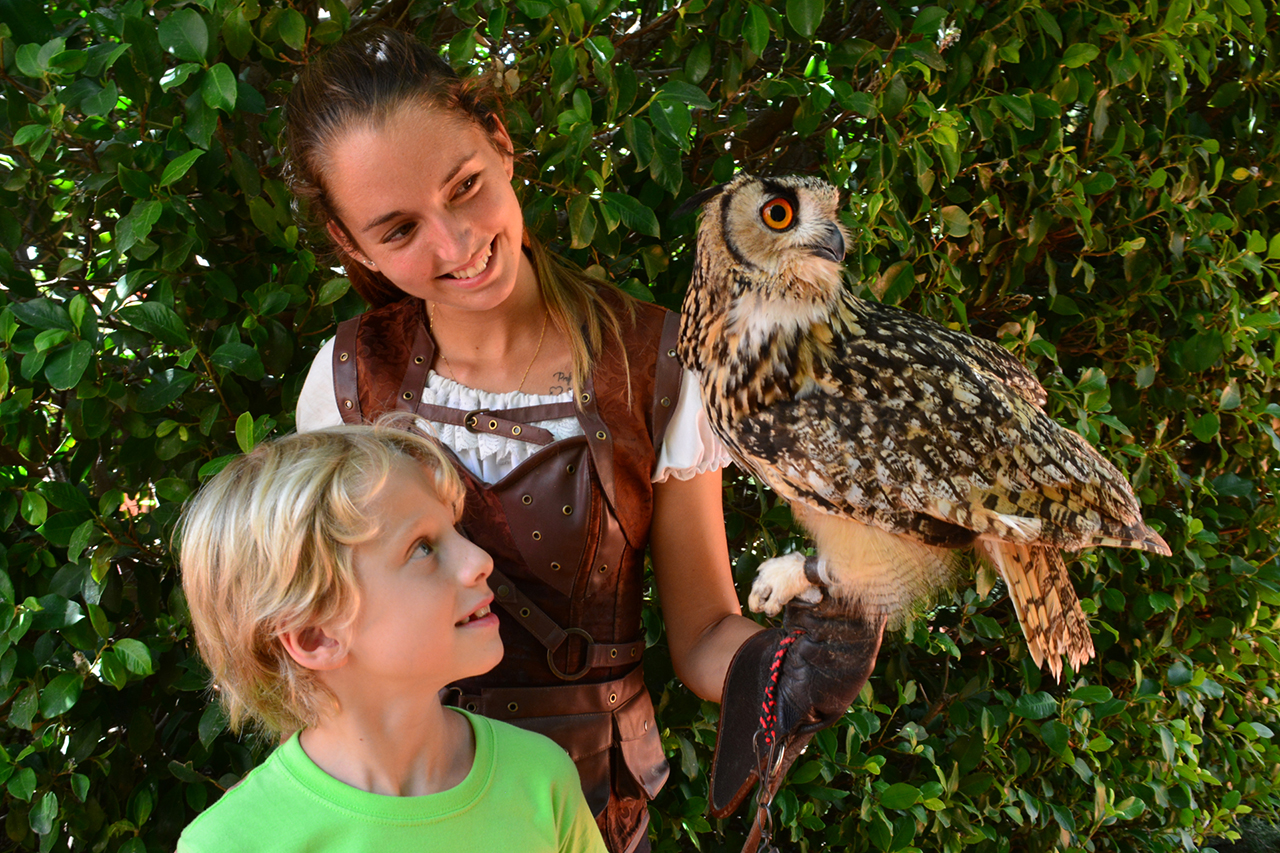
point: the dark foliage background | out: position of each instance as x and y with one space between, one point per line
1092 184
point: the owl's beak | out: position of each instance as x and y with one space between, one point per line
831 246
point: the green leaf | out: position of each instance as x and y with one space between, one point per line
41 817
179 166
184 34
241 358
582 221
756 29
136 225
1206 427
218 88
60 694
164 389
900 796
955 222
21 714
157 320
806 15
1035 706
244 432
1055 735
65 367
333 290
633 213
213 722
135 655
237 34
1079 54
34 508
43 313
685 93
293 29
929 21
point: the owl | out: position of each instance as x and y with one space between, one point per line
897 442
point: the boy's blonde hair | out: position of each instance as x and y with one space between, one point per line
266 549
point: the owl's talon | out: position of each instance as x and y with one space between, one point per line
779 580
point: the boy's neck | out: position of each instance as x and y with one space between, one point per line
404 751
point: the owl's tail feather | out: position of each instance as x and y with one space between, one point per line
1045 601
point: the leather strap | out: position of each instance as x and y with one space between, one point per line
505 703
511 423
344 370
667 377
552 636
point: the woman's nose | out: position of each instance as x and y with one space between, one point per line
451 240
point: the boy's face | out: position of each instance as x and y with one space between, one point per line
424 614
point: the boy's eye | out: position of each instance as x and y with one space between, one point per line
423 549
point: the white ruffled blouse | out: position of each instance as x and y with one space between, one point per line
688 448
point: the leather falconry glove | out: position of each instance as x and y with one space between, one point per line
783 686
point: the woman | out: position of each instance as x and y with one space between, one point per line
559 397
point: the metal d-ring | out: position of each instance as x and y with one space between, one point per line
586 658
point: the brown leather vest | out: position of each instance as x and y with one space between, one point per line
567 531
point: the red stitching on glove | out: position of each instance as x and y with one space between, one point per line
770 704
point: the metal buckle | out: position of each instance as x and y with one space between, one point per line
586 657
471 420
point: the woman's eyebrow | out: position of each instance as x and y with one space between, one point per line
387 217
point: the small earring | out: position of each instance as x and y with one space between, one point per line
371 265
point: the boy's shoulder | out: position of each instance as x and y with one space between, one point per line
248 812
514 748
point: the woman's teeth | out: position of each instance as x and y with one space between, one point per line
472 271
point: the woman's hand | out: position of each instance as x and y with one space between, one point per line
705 625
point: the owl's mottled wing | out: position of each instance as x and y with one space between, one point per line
896 424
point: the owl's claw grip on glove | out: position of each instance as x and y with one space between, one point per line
783 686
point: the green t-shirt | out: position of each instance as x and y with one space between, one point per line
522 794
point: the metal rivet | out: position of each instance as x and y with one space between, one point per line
613 697
471 706
493 424
671 353
537 537
515 430
504 590
419 360
555 567
613 653
524 613
571 468
526 500
604 568
408 395
600 435
568 510
346 404
344 356
586 398
666 401
513 707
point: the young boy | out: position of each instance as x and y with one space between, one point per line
333 597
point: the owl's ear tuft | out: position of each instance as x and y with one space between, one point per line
697 200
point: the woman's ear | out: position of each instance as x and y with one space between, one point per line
502 141
315 648
339 236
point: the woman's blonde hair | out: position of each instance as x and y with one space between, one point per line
365 78
266 548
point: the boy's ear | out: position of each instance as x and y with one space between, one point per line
314 648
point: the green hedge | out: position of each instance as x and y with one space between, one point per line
1092 184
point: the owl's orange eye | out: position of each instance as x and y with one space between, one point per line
777 214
